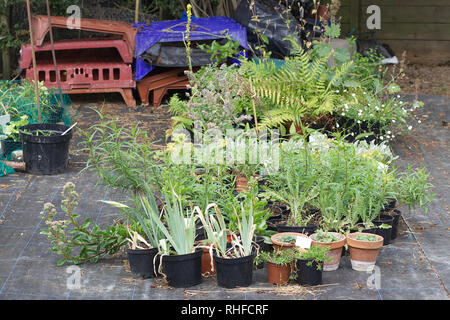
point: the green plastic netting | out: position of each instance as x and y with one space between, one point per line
18 98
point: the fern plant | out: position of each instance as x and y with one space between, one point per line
301 91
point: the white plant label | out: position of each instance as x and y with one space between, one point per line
303 242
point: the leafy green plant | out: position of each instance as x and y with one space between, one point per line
325 237
315 254
278 257
92 243
180 230
414 189
122 157
286 238
366 237
300 92
12 129
220 52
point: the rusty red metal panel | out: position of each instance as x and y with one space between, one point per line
60 46
41 27
159 84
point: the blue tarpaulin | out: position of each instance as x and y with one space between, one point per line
175 31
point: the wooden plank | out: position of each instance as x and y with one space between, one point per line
425 52
355 15
411 14
412 31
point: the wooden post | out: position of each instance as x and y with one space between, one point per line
33 54
136 14
6 51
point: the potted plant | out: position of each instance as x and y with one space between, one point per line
141 256
364 248
335 241
285 240
279 265
143 253
294 185
233 260
45 147
310 265
180 257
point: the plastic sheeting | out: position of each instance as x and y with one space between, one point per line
272 23
175 30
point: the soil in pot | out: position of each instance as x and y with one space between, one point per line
384 232
396 215
141 262
45 150
363 253
278 274
183 271
308 275
336 250
234 272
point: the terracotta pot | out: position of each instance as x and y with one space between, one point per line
363 254
206 263
335 250
241 183
278 274
278 245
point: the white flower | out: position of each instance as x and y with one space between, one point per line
398 96
337 91
353 94
393 121
337 125
343 113
419 121
382 138
410 127
358 121
376 108
389 132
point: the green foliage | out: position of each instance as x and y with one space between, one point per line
12 129
286 238
220 52
122 157
85 237
219 99
180 230
301 91
316 254
326 237
366 237
414 189
278 257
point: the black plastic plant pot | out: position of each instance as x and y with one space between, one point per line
45 154
386 233
308 230
390 205
396 217
308 275
234 272
183 271
141 262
